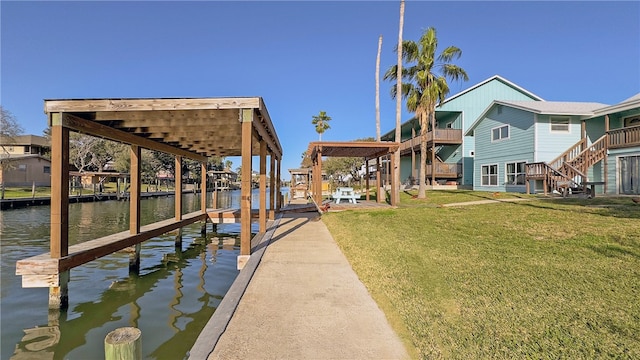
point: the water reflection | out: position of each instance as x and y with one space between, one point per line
170 300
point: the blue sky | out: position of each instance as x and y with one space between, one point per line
305 56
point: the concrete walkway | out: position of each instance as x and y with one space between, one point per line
301 300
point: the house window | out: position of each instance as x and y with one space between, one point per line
22 167
632 121
559 124
500 133
515 173
47 169
490 175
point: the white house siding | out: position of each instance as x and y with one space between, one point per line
472 104
551 144
517 148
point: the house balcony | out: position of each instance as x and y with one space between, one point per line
439 136
624 137
444 170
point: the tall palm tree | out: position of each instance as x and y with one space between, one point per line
395 192
321 121
426 85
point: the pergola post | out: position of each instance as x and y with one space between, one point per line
394 181
317 178
134 206
272 187
378 181
278 184
178 198
203 196
59 221
366 164
245 188
262 212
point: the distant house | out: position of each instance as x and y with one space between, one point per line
454 151
24 170
23 162
511 134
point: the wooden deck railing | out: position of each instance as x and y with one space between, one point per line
625 137
444 170
441 136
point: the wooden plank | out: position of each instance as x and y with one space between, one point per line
229 216
245 183
94 105
263 186
59 220
87 251
96 129
134 193
203 188
170 118
178 188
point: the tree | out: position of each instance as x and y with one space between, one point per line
426 85
9 129
321 121
378 89
306 161
398 134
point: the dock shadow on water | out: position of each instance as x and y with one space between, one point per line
170 300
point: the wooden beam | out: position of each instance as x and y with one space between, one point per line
278 183
96 105
87 251
93 128
394 182
59 243
263 186
245 183
134 192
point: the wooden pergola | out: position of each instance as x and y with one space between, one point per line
368 150
193 128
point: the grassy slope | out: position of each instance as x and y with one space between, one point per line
540 279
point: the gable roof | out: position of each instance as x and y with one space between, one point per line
630 103
494 77
542 108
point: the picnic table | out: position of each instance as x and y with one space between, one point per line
345 193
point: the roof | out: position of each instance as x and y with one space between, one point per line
494 77
363 149
542 108
463 92
25 140
192 127
631 103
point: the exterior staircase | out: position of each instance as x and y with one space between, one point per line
569 170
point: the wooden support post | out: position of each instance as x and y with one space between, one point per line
203 187
59 219
245 187
605 161
262 218
123 344
378 181
178 188
134 206
317 178
366 166
413 155
394 181
272 187
278 186
59 245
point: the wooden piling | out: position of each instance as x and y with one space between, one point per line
123 344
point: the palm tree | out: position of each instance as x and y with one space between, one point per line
321 121
426 85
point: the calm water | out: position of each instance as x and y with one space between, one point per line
172 298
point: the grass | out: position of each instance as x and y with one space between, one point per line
535 279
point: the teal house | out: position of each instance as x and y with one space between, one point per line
511 134
455 151
561 147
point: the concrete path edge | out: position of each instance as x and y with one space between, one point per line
217 324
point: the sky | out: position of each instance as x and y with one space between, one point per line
303 57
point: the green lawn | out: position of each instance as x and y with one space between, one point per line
536 279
